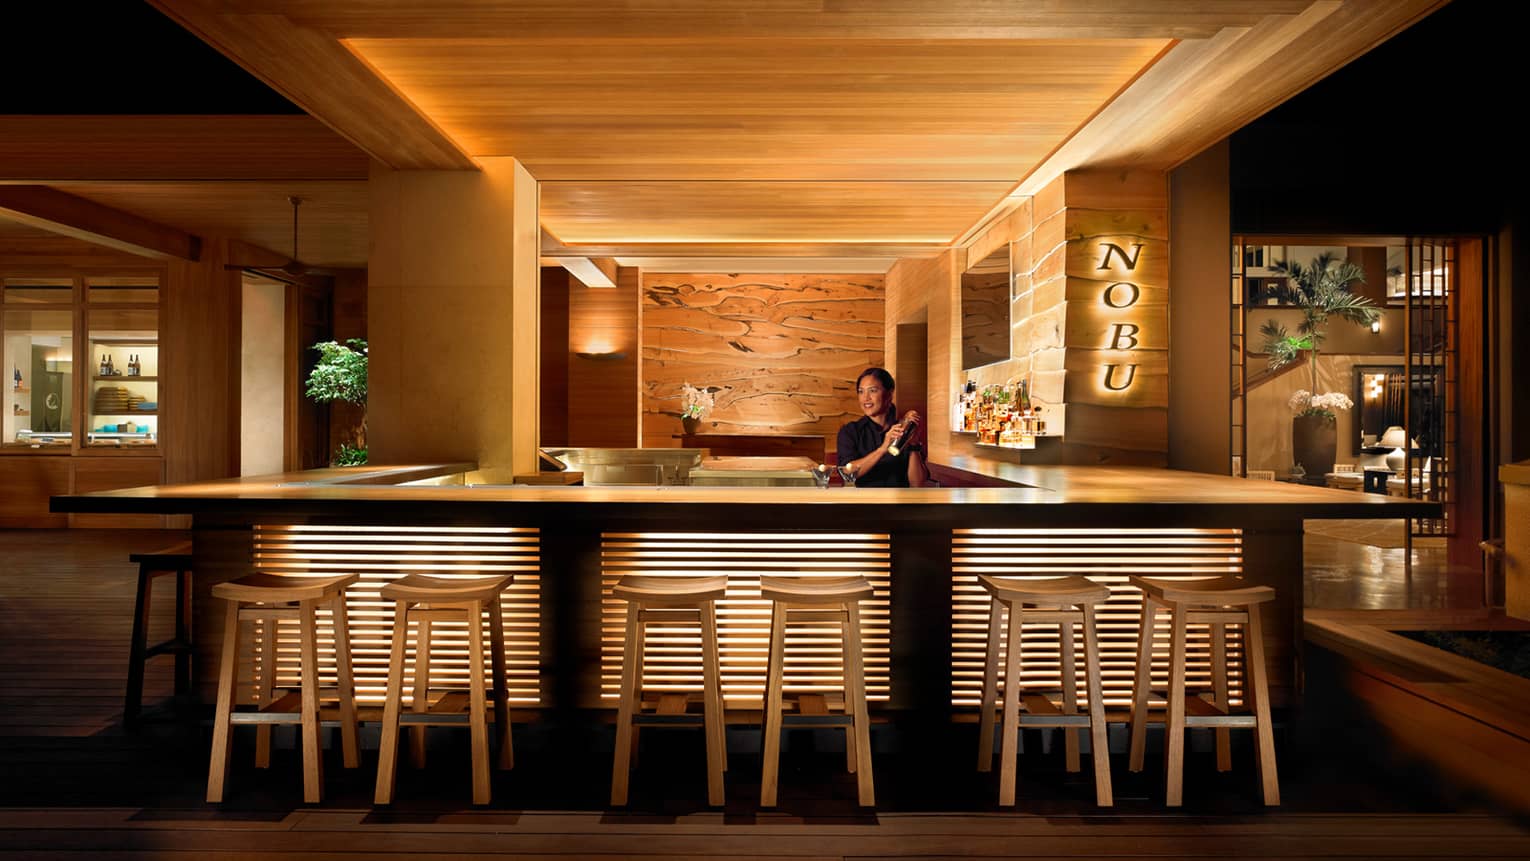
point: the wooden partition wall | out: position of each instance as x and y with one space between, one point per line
780 352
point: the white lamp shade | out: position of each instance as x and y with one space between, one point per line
1395 437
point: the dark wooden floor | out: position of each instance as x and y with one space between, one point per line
76 785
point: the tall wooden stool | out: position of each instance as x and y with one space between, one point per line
427 599
1217 601
818 599
668 600
1065 601
271 598
175 559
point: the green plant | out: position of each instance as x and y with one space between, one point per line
341 375
1319 290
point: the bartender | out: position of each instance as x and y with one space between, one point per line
878 449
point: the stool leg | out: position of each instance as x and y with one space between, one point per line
421 703
137 648
1066 658
1174 726
387 753
1099 742
1253 651
265 659
183 633
350 741
1219 688
1009 743
771 769
711 671
217 769
501 685
621 763
855 693
1142 683
990 693
313 754
478 705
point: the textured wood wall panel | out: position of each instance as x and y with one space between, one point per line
780 351
602 393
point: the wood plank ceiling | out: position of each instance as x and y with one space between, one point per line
696 129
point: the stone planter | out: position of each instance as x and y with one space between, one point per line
1314 442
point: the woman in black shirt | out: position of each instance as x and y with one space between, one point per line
864 444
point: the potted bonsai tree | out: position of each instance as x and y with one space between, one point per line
341 376
1321 291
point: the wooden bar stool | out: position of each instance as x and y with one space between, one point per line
1217 601
810 599
1065 601
426 600
175 559
668 600
271 598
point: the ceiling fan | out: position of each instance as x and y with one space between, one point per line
295 266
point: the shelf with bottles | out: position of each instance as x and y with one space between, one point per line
1003 416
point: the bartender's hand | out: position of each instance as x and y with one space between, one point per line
897 432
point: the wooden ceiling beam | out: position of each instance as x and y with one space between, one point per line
316 72
594 21
591 271
753 250
48 149
57 212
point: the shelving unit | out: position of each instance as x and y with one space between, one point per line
113 397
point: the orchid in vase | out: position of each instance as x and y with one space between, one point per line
1326 405
695 402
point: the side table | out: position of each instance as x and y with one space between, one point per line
1376 479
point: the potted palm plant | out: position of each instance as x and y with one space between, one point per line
1321 291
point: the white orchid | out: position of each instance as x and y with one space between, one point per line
695 402
1305 403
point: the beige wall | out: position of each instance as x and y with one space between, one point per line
262 386
1200 305
452 316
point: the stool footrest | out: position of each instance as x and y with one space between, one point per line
171 646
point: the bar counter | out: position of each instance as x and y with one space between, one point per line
922 548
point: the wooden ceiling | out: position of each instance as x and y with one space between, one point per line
695 129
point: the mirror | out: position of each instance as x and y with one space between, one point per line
985 310
1379 404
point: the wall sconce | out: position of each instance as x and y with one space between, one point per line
609 356
1376 326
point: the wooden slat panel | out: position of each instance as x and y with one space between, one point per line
1105 556
672 655
384 553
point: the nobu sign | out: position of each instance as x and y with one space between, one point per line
1121 294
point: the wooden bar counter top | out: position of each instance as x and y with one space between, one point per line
922 546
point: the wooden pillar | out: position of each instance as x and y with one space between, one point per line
452 313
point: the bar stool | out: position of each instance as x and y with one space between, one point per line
426 600
668 600
175 559
1065 601
811 598
271 598
1217 601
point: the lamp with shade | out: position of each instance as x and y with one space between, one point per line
1396 439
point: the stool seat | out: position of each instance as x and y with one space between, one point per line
815 590
172 557
282 588
423 587
1069 590
661 589
1211 591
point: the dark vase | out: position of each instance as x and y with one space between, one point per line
691 425
1314 442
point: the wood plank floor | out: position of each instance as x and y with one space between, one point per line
77 786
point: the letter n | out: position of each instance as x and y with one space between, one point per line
1113 249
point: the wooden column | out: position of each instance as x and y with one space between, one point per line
452 313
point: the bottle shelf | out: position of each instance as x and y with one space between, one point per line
130 413
125 378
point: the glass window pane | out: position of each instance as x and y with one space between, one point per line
124 378
143 289
39 361
37 291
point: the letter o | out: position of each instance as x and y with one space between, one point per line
1135 295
